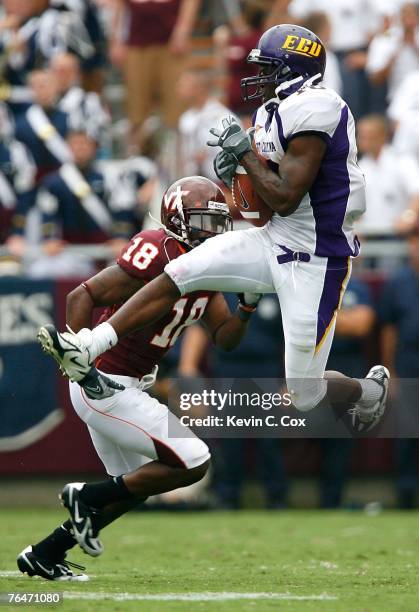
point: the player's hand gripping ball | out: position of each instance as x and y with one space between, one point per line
234 142
232 138
247 201
225 166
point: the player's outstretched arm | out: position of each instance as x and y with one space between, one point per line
299 167
110 286
146 306
158 296
226 328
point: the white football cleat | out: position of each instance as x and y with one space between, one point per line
369 417
68 351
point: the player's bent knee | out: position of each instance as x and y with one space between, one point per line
304 404
192 475
200 470
308 394
196 457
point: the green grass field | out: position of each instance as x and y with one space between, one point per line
282 560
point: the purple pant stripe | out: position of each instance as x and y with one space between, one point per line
336 272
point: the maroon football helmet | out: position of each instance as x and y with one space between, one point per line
194 209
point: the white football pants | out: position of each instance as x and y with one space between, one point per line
309 288
132 428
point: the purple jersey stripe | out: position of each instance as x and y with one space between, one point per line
254 117
337 274
330 193
280 129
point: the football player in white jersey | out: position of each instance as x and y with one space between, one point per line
314 186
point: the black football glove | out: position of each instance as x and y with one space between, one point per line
97 386
225 166
233 139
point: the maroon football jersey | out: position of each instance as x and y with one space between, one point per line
135 355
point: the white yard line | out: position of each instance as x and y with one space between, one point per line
207 596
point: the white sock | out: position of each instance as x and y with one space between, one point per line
371 392
103 338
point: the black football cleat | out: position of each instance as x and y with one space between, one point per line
82 516
34 565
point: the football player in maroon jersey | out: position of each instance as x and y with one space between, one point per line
128 427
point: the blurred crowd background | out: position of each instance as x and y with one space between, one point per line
103 103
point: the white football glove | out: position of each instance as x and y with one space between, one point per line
232 139
96 385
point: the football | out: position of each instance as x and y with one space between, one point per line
247 201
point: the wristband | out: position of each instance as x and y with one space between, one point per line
103 338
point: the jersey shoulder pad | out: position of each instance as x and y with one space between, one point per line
315 109
147 253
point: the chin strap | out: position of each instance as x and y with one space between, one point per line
287 84
313 79
172 234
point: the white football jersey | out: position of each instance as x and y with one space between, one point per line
323 223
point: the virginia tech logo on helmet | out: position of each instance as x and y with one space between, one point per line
173 200
305 46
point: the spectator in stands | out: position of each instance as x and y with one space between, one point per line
406 136
204 111
42 31
399 313
353 22
17 181
234 48
13 89
78 207
392 180
258 356
156 48
394 54
319 23
279 13
228 12
404 112
92 64
43 128
406 98
354 323
84 109
132 184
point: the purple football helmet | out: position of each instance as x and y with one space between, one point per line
295 55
